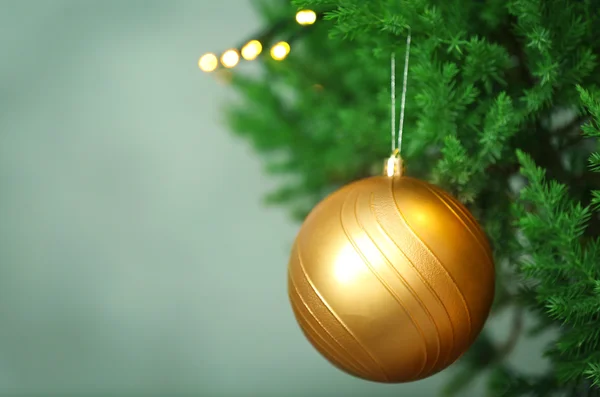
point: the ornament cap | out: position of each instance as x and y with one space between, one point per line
394 165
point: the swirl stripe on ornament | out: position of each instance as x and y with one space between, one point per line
427 257
470 227
460 208
325 347
399 288
464 212
439 264
407 270
326 354
380 239
371 261
333 317
353 362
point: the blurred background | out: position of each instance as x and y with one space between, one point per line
136 257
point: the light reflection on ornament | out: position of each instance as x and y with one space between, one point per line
348 265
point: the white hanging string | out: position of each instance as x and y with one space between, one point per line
404 84
403 99
393 112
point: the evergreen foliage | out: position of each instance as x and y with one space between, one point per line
503 110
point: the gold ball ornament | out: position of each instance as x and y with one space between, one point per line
391 278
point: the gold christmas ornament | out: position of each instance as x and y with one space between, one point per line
391 279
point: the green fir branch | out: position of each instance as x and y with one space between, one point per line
565 271
486 79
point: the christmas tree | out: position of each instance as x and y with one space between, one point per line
502 110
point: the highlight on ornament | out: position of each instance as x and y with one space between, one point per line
306 17
208 62
251 50
230 58
280 51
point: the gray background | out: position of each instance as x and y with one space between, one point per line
135 254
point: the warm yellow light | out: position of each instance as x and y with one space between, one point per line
230 58
251 50
208 62
306 17
280 50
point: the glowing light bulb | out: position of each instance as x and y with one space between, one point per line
306 17
251 50
280 50
230 58
208 62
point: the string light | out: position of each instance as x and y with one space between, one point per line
280 50
251 50
208 62
306 17
230 58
